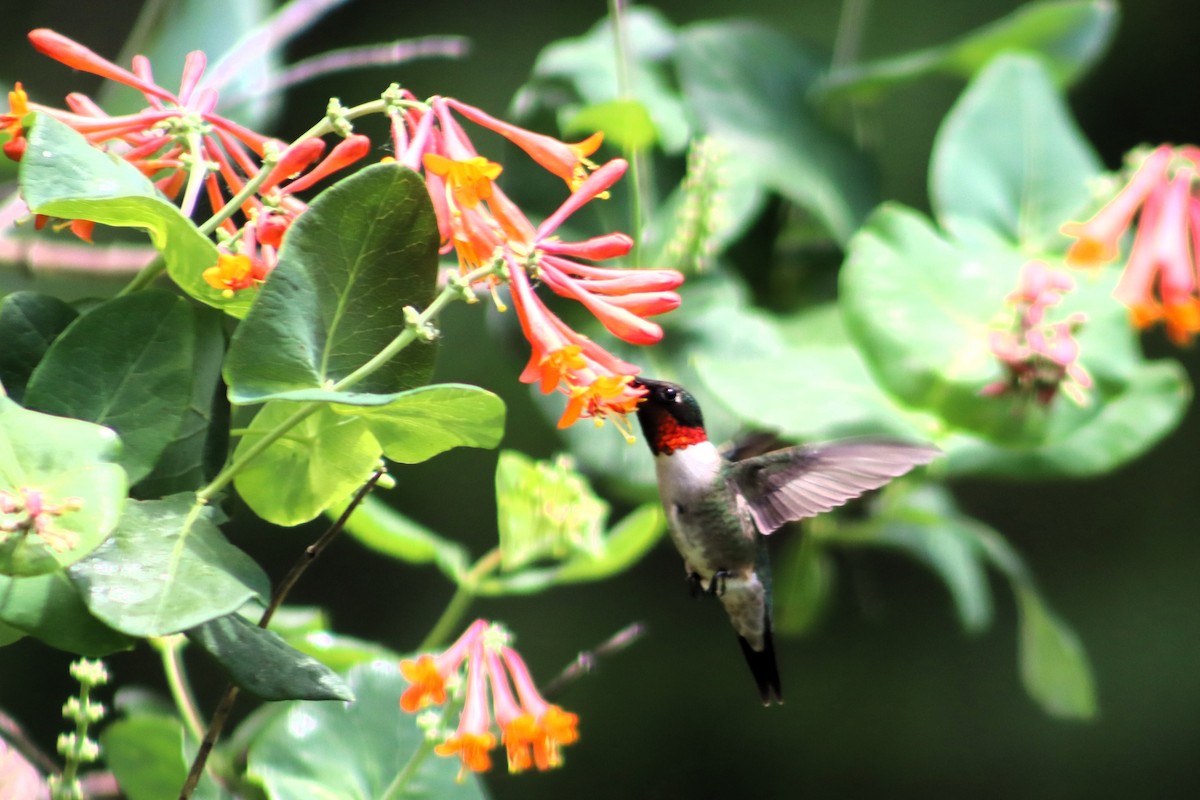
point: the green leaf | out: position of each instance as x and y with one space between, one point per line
821 390
352 751
145 754
1067 36
747 86
621 547
804 580
545 510
921 310
9 634
1128 425
199 447
1054 666
70 465
128 365
64 176
49 608
1009 158
307 629
925 523
625 124
421 423
167 568
385 530
319 462
587 65
29 324
364 250
260 662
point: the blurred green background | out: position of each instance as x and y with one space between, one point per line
888 696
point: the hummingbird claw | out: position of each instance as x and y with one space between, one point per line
716 585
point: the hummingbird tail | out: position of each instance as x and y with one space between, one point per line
764 666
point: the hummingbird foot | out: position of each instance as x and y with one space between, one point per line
715 587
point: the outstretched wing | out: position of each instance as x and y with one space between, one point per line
797 482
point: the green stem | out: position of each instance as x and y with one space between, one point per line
156 267
170 649
225 706
405 774
461 601
616 12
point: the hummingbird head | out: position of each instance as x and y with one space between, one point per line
670 417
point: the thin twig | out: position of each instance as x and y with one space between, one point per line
225 706
587 660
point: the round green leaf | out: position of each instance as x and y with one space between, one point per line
352 751
1054 666
62 175
128 365
29 323
318 463
1067 36
70 465
145 754
167 568
49 608
921 310
747 85
1010 159
1128 425
364 250
419 424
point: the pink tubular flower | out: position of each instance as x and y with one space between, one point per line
178 130
1159 283
533 731
483 227
1039 358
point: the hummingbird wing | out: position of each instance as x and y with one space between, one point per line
803 481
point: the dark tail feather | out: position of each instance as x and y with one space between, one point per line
764 667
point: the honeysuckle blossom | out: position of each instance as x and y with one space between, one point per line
1159 283
27 511
1039 357
190 151
533 731
479 223
185 147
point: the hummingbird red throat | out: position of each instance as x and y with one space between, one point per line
720 511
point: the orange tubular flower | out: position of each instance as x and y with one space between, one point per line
18 107
533 731
483 227
567 161
428 674
555 727
1159 283
473 739
1097 241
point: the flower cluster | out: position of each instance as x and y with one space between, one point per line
1159 283
28 512
479 223
186 148
1040 357
532 730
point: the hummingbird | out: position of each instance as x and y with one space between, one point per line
720 511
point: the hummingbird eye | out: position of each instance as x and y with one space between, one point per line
670 394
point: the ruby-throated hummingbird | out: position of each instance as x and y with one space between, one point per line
719 511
